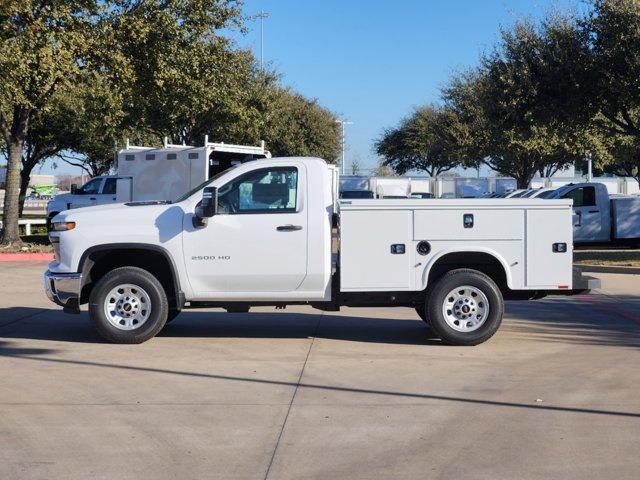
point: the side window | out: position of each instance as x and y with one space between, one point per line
109 186
268 190
582 196
92 187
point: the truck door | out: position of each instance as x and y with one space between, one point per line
589 225
108 194
258 240
87 195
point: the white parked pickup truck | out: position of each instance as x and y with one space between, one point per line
150 173
97 191
600 218
260 233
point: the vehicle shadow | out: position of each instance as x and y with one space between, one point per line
57 326
582 320
577 321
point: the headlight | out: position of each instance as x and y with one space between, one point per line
63 226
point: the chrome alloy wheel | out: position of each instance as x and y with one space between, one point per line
465 308
127 307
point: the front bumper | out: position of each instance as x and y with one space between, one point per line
64 289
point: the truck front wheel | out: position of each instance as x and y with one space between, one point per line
128 305
465 307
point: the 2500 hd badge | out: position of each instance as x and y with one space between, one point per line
211 257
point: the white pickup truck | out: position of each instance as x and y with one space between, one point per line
151 173
261 233
97 191
600 218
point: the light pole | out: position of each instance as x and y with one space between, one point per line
343 123
262 15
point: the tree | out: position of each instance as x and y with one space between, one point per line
421 142
383 170
585 76
96 122
42 47
297 126
183 79
613 28
510 125
625 153
163 70
355 165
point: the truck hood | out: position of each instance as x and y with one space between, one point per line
122 223
116 212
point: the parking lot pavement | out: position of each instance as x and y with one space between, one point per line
360 394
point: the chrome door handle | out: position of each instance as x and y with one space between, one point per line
288 228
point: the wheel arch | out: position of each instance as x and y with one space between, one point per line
99 259
485 260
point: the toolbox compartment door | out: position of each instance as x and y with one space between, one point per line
370 258
546 268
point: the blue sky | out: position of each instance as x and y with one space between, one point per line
372 61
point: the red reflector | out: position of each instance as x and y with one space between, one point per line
563 287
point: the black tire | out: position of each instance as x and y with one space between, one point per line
436 302
237 309
421 310
157 316
173 313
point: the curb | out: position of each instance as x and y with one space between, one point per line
608 269
26 257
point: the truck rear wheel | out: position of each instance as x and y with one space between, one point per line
465 307
128 305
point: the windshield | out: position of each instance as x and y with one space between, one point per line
202 185
92 187
547 194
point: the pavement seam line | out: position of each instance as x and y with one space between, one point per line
293 397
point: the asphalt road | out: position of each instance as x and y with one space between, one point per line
298 394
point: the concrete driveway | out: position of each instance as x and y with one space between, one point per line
298 394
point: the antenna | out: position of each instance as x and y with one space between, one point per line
206 140
126 144
165 142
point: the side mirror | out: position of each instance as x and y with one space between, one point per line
209 202
74 188
208 207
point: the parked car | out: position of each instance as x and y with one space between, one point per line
514 193
543 193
